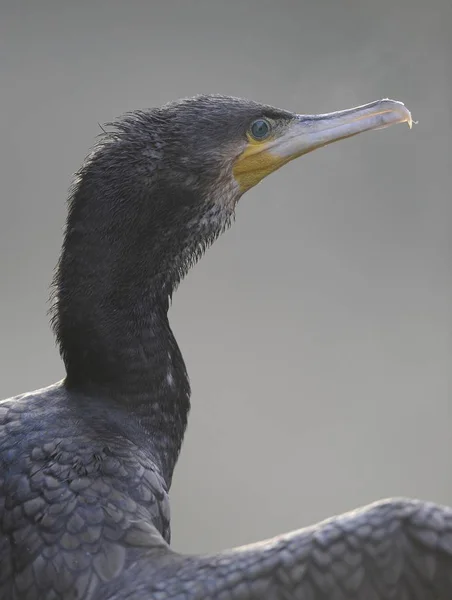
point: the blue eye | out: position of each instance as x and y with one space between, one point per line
260 129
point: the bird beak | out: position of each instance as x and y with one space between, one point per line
306 133
309 132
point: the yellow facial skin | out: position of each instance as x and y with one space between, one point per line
305 133
256 162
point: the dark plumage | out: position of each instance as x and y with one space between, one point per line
86 464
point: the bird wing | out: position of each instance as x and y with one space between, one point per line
394 549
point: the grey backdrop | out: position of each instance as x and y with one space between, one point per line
317 331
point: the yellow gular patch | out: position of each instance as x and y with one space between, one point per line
255 163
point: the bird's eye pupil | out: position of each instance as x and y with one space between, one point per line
260 129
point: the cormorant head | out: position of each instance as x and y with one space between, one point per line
210 141
164 182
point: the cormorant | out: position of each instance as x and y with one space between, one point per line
86 464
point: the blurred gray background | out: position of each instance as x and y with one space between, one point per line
318 330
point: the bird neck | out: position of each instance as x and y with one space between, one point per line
110 317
